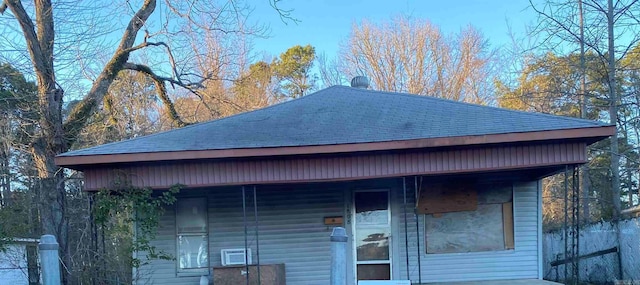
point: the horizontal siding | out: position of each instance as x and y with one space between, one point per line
340 168
519 263
160 272
291 231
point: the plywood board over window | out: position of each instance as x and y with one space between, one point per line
447 198
487 228
507 218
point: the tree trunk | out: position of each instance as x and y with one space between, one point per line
5 179
51 180
613 115
54 137
584 173
50 140
629 178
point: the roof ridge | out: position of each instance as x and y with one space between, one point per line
429 97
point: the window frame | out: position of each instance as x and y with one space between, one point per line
196 271
508 247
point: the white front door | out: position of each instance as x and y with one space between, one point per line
371 232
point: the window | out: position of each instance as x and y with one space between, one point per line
484 222
192 238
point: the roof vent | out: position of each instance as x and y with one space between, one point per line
360 82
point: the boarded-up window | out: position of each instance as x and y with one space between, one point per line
489 227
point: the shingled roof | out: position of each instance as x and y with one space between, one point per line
342 115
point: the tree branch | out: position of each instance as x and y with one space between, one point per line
285 14
565 28
191 87
46 34
199 24
172 60
595 5
29 31
79 116
161 89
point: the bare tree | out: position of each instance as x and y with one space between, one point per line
610 31
330 73
44 29
414 56
129 109
595 28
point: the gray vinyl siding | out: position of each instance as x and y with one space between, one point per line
522 262
291 231
162 271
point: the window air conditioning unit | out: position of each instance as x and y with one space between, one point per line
235 256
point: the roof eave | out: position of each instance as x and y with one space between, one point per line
590 135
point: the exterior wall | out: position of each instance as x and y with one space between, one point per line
520 263
291 231
162 271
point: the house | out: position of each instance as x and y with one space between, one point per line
428 189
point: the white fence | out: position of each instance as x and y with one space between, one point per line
14 265
596 238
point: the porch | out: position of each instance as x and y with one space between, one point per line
290 224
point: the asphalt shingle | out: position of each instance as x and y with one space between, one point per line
343 115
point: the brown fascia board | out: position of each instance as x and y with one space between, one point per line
589 135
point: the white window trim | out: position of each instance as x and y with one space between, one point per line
189 272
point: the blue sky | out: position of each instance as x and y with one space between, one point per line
326 23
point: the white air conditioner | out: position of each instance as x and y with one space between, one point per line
235 256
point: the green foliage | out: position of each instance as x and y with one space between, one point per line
15 220
18 101
15 90
252 89
551 84
293 67
130 216
11 224
128 110
259 76
17 116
